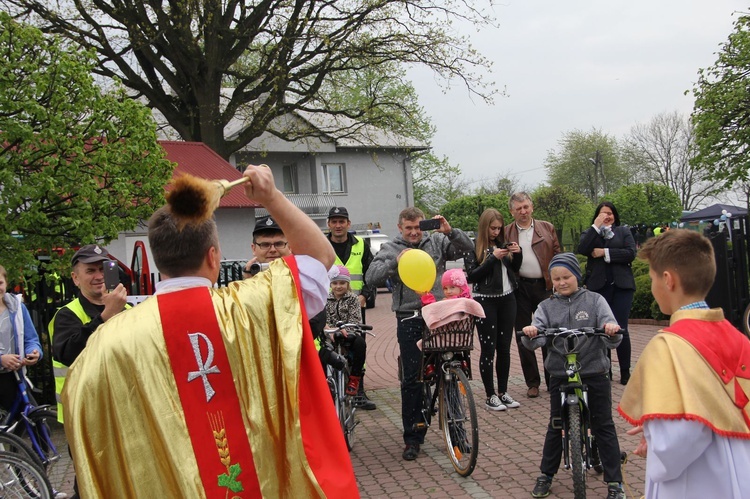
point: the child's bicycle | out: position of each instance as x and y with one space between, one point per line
580 452
445 374
338 367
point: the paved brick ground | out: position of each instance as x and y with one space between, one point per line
510 441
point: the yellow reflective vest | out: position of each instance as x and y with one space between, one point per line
354 264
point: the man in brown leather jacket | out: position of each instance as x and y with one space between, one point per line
538 242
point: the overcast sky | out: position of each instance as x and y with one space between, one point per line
573 64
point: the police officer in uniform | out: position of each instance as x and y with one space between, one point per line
353 253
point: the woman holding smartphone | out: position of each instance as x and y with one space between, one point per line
19 342
492 269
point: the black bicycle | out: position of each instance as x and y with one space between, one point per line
445 375
335 356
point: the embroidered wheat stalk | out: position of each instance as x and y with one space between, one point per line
220 437
228 480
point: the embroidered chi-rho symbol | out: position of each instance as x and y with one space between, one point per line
227 480
204 367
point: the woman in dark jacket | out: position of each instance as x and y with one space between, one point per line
610 249
492 268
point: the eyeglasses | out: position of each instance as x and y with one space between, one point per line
278 245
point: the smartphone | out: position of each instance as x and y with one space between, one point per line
429 224
111 274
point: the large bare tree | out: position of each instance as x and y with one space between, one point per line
279 55
664 151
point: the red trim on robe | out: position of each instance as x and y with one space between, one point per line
321 432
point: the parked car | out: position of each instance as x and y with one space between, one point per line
376 240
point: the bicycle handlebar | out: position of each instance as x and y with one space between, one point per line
351 328
562 331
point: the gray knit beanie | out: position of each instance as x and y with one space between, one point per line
567 260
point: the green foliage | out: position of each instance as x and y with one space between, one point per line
562 206
721 115
648 204
644 304
642 299
77 165
576 164
436 182
463 213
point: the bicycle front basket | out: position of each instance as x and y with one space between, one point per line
455 336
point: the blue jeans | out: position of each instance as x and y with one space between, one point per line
409 332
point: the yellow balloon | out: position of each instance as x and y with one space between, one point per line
417 270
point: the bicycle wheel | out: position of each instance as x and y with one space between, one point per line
575 443
13 443
41 437
20 477
346 413
458 420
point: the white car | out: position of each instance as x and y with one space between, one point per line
376 240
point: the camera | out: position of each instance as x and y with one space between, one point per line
111 274
429 224
257 267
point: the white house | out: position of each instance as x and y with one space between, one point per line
363 168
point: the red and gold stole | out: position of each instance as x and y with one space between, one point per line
208 394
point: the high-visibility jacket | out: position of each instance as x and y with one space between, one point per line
58 369
354 264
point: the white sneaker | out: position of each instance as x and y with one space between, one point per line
508 401
493 403
59 495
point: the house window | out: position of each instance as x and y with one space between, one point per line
333 178
290 179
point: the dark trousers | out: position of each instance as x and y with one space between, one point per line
602 426
620 301
8 390
409 332
528 296
495 333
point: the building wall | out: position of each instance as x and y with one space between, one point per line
235 235
378 184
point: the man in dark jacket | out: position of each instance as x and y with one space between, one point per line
443 244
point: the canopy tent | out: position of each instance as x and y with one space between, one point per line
713 212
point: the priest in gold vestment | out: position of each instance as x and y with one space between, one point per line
206 392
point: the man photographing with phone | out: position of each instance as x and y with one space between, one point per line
445 243
71 326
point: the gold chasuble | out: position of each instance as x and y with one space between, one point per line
697 369
207 392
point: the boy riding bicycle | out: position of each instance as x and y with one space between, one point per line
572 307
